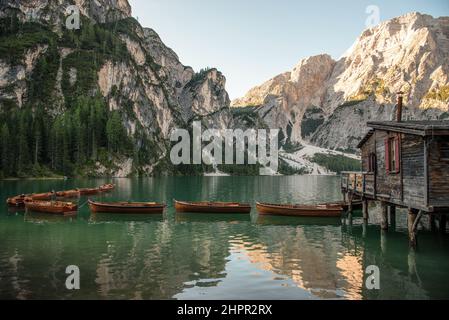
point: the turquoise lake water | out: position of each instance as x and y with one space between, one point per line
198 256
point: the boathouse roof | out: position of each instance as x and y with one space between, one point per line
420 128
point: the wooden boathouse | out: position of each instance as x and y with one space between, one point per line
405 165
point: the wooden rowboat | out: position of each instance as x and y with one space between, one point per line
212 207
356 205
16 202
88 191
42 196
300 210
127 207
107 187
52 207
70 194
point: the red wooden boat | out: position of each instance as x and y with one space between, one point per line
356 205
17 202
70 194
107 187
53 207
127 207
88 191
42 196
212 207
320 210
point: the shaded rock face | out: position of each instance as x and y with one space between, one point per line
204 96
409 54
347 125
284 99
151 87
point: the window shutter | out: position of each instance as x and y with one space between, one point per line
398 158
387 155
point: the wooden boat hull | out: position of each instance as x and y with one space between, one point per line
58 208
71 194
356 205
127 208
212 207
107 188
89 192
42 196
299 211
16 202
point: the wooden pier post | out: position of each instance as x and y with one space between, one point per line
383 241
412 228
393 216
350 218
432 222
365 210
350 200
442 224
384 216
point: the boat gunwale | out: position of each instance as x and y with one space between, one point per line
115 205
52 207
210 204
318 207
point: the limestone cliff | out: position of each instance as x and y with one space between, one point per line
113 56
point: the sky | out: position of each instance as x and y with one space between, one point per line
251 41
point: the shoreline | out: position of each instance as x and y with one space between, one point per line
205 175
33 179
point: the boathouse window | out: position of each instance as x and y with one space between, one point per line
392 162
444 151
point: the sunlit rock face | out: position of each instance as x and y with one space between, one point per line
409 54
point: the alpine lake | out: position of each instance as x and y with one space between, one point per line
206 256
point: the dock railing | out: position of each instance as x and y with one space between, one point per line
360 183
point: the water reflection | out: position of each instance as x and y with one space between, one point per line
200 256
39 218
210 218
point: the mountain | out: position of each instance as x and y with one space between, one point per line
101 100
327 102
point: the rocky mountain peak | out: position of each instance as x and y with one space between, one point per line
409 53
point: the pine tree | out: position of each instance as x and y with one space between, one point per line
114 132
5 150
24 136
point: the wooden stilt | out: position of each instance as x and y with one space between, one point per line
383 241
384 217
392 214
412 215
364 228
350 199
432 222
442 224
365 210
350 218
